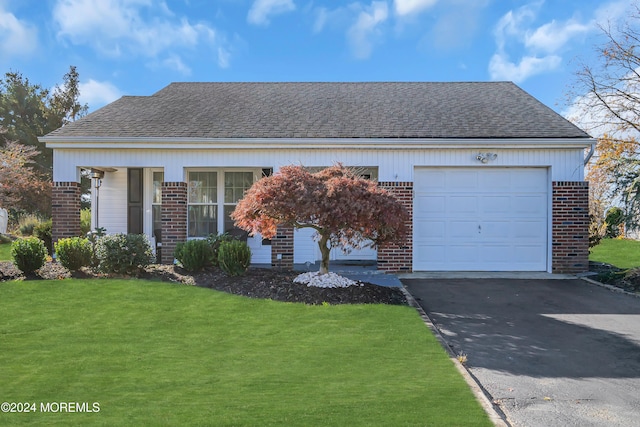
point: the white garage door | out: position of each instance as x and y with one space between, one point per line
480 219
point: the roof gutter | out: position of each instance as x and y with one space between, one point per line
61 142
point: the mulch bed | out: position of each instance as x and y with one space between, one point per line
256 283
628 280
278 285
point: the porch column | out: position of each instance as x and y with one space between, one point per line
570 228
282 248
65 210
398 257
174 218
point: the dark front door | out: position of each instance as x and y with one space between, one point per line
134 201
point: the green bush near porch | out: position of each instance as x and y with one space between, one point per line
153 353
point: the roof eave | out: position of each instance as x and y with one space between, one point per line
84 142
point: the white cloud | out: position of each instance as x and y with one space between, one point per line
364 31
540 46
261 10
552 36
97 94
174 62
321 19
119 27
17 37
410 7
501 68
223 57
510 26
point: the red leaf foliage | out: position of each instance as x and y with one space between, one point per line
347 209
21 187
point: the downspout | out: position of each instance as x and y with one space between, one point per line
590 153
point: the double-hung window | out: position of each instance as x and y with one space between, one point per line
202 204
212 197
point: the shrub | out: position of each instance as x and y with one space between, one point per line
85 221
615 221
214 241
26 224
123 253
234 257
29 254
43 232
194 255
73 253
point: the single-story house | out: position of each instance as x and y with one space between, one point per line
493 179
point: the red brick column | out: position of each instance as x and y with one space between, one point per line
174 218
398 257
282 248
65 208
570 229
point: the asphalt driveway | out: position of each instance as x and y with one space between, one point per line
548 352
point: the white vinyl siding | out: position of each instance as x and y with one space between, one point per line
566 164
112 203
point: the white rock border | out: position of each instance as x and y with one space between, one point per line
329 280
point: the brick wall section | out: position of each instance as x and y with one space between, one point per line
282 244
570 229
398 257
174 218
65 207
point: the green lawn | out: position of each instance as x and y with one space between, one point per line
622 253
5 252
152 353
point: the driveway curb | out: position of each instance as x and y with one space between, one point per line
497 417
610 287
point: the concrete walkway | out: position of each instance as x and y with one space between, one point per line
548 352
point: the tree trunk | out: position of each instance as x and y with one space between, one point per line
325 249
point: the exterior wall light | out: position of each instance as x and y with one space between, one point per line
485 157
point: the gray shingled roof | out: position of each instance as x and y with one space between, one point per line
327 110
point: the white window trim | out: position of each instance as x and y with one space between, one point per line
220 204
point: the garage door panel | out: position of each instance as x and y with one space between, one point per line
532 180
462 180
432 229
462 229
496 181
429 204
525 253
534 205
491 230
491 219
499 205
433 180
464 253
436 253
459 205
534 230
494 253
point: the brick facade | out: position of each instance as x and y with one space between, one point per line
282 245
65 204
570 228
398 257
174 218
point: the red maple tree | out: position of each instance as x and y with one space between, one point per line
346 210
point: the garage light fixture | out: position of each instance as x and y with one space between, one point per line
485 157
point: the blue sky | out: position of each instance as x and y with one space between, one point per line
136 47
